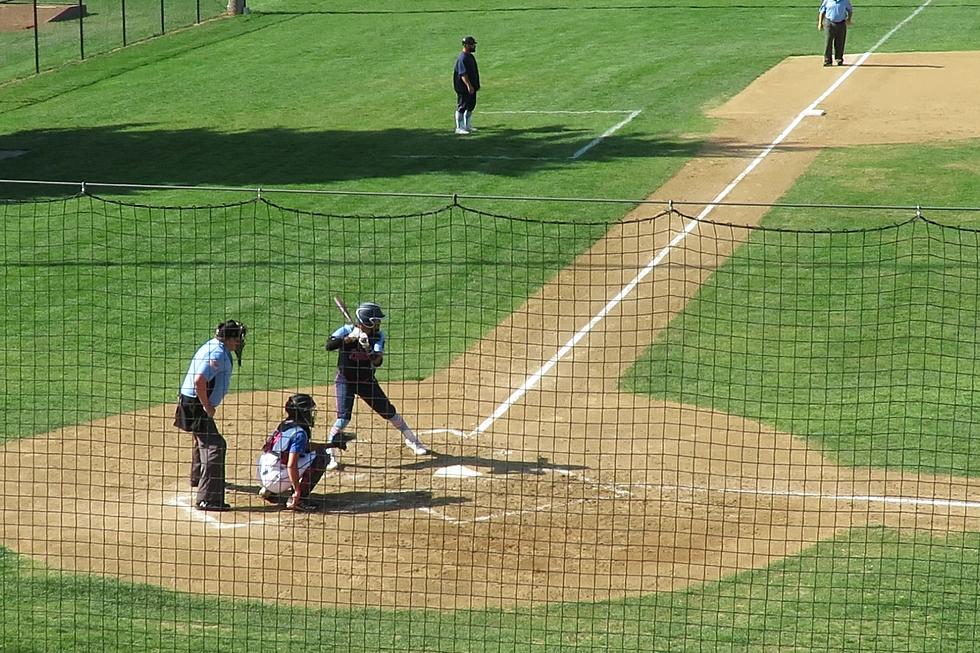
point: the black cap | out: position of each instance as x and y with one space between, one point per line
469 40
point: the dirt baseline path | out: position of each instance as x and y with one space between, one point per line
576 491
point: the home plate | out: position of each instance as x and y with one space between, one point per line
457 471
816 112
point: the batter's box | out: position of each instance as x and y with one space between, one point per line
527 491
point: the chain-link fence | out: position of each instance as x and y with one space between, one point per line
39 36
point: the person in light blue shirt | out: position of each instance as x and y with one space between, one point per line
205 385
835 16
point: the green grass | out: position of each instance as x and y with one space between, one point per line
864 339
870 589
286 98
98 298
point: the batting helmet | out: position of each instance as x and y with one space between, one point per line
369 314
301 409
230 329
469 40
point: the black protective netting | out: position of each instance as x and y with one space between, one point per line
656 435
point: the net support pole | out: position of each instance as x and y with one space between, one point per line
37 43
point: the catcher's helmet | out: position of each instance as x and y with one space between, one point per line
230 329
469 40
369 314
301 409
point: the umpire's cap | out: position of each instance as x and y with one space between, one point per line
230 329
469 40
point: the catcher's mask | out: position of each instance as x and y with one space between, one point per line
232 329
369 314
301 409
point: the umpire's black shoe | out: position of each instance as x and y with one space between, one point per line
213 506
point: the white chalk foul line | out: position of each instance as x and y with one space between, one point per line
609 132
931 502
536 377
209 520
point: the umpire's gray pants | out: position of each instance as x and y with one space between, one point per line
208 466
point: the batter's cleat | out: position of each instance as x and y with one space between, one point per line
333 463
460 130
840 62
269 496
213 506
416 446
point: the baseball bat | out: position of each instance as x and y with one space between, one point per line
343 308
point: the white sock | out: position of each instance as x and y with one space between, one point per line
466 119
459 120
399 423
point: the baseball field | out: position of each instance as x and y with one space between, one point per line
736 417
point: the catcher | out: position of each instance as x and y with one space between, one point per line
361 351
289 461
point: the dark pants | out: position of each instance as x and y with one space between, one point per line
208 450
211 451
314 472
836 35
465 102
370 391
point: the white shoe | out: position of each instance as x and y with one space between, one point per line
333 463
460 130
416 446
471 129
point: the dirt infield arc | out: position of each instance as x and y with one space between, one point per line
671 495
16 16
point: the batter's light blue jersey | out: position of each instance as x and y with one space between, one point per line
213 360
836 10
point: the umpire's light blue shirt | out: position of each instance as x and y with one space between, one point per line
836 10
213 360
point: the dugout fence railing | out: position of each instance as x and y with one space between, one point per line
752 431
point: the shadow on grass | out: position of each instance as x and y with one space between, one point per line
278 157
